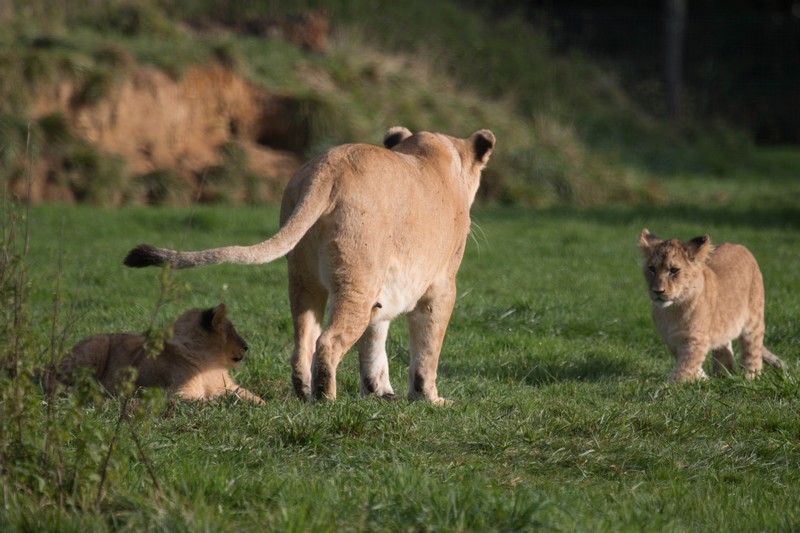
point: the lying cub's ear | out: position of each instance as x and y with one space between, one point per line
213 316
483 142
697 249
395 135
647 240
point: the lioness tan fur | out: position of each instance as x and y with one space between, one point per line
193 364
375 232
703 297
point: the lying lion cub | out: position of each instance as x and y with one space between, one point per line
193 364
704 297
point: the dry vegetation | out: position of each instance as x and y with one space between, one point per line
130 102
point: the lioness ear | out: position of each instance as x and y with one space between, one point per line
698 248
395 135
483 142
213 316
647 240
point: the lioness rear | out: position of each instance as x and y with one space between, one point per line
703 298
193 364
374 233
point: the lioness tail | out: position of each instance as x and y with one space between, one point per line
305 214
146 255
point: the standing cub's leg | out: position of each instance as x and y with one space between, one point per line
751 344
723 360
689 361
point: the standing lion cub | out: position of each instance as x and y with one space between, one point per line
193 364
704 297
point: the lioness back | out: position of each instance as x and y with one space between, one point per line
703 298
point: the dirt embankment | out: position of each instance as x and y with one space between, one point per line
157 123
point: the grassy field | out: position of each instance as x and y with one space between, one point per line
562 418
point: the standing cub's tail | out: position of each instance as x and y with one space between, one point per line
310 207
772 359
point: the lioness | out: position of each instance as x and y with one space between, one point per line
704 297
382 233
193 364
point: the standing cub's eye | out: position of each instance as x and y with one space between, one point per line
674 271
651 269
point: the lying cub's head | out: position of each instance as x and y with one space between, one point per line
209 337
673 269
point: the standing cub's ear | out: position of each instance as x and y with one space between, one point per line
647 240
697 249
395 135
483 143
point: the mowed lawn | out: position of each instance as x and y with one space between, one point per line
561 419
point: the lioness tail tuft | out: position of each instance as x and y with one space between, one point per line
145 255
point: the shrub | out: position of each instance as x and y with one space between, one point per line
51 454
92 176
160 187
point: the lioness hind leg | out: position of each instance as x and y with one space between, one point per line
427 324
307 315
373 361
723 363
348 321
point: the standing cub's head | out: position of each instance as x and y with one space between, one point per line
209 338
673 270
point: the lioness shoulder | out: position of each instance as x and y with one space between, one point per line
703 297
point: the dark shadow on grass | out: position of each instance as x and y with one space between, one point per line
594 367
590 367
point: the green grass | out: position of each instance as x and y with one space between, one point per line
562 417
